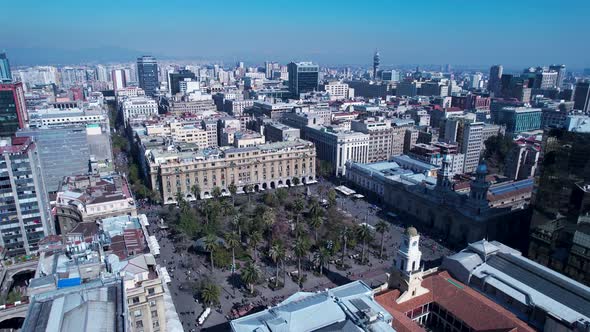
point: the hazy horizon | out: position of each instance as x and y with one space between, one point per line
470 33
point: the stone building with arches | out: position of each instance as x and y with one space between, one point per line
194 174
497 211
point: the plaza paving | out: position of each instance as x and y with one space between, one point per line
187 267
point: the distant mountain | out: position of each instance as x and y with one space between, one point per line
57 56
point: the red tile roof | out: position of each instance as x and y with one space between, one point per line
466 304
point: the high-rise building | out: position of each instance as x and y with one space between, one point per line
5 74
147 73
303 77
494 82
376 62
560 69
582 96
119 80
13 110
176 78
24 203
102 75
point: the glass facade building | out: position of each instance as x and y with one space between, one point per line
12 108
147 73
303 78
24 210
5 74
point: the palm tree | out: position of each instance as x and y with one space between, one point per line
237 221
300 248
250 275
268 217
211 245
232 241
344 234
248 189
298 206
216 192
210 293
255 239
322 258
314 208
196 190
233 190
277 254
363 233
382 227
332 197
315 223
295 181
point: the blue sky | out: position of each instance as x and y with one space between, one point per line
514 33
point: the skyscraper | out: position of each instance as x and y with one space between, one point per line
24 204
560 69
376 62
119 80
582 96
147 73
303 77
176 78
5 74
494 83
13 111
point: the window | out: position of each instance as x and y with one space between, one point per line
151 291
139 324
137 313
136 300
152 303
154 313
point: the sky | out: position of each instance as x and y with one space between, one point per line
515 33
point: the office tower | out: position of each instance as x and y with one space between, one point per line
268 67
13 110
476 80
494 82
24 203
376 62
560 70
147 73
582 96
180 76
303 78
102 75
5 74
119 80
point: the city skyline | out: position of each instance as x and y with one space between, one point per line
476 34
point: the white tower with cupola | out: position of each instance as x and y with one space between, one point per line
407 268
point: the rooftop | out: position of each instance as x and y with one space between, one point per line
350 307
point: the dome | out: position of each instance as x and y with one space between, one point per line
411 231
482 168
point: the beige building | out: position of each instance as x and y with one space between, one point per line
144 293
271 165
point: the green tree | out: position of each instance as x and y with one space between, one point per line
281 195
298 207
233 189
322 258
237 222
277 255
187 223
232 241
216 192
295 182
300 249
254 241
248 190
210 294
250 275
332 197
315 209
315 223
382 227
268 218
363 233
196 190
344 235
211 245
